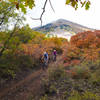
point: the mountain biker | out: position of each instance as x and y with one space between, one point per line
45 59
54 55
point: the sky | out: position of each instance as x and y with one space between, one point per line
90 18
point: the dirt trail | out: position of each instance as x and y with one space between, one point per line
24 88
27 87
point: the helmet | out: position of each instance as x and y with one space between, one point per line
45 52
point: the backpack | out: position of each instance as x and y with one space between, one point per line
46 55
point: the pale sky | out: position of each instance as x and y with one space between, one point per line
90 18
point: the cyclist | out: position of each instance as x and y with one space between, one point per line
45 60
54 55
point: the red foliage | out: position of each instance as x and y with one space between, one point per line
84 45
71 62
86 39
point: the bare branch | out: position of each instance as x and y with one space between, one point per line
44 11
51 5
35 18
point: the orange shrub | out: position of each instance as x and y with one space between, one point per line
83 46
33 50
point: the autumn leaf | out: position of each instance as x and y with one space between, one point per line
68 1
87 6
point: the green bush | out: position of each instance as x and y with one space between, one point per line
56 73
85 96
90 96
44 97
8 66
75 96
81 72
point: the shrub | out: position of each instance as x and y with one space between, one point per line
44 97
56 73
90 96
80 72
75 96
85 96
8 66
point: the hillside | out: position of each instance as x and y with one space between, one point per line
62 28
75 75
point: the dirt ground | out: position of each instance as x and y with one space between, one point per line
25 87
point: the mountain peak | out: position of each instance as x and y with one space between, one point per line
61 20
62 28
62 25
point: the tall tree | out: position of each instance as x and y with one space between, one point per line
8 17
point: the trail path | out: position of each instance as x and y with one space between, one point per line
25 88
